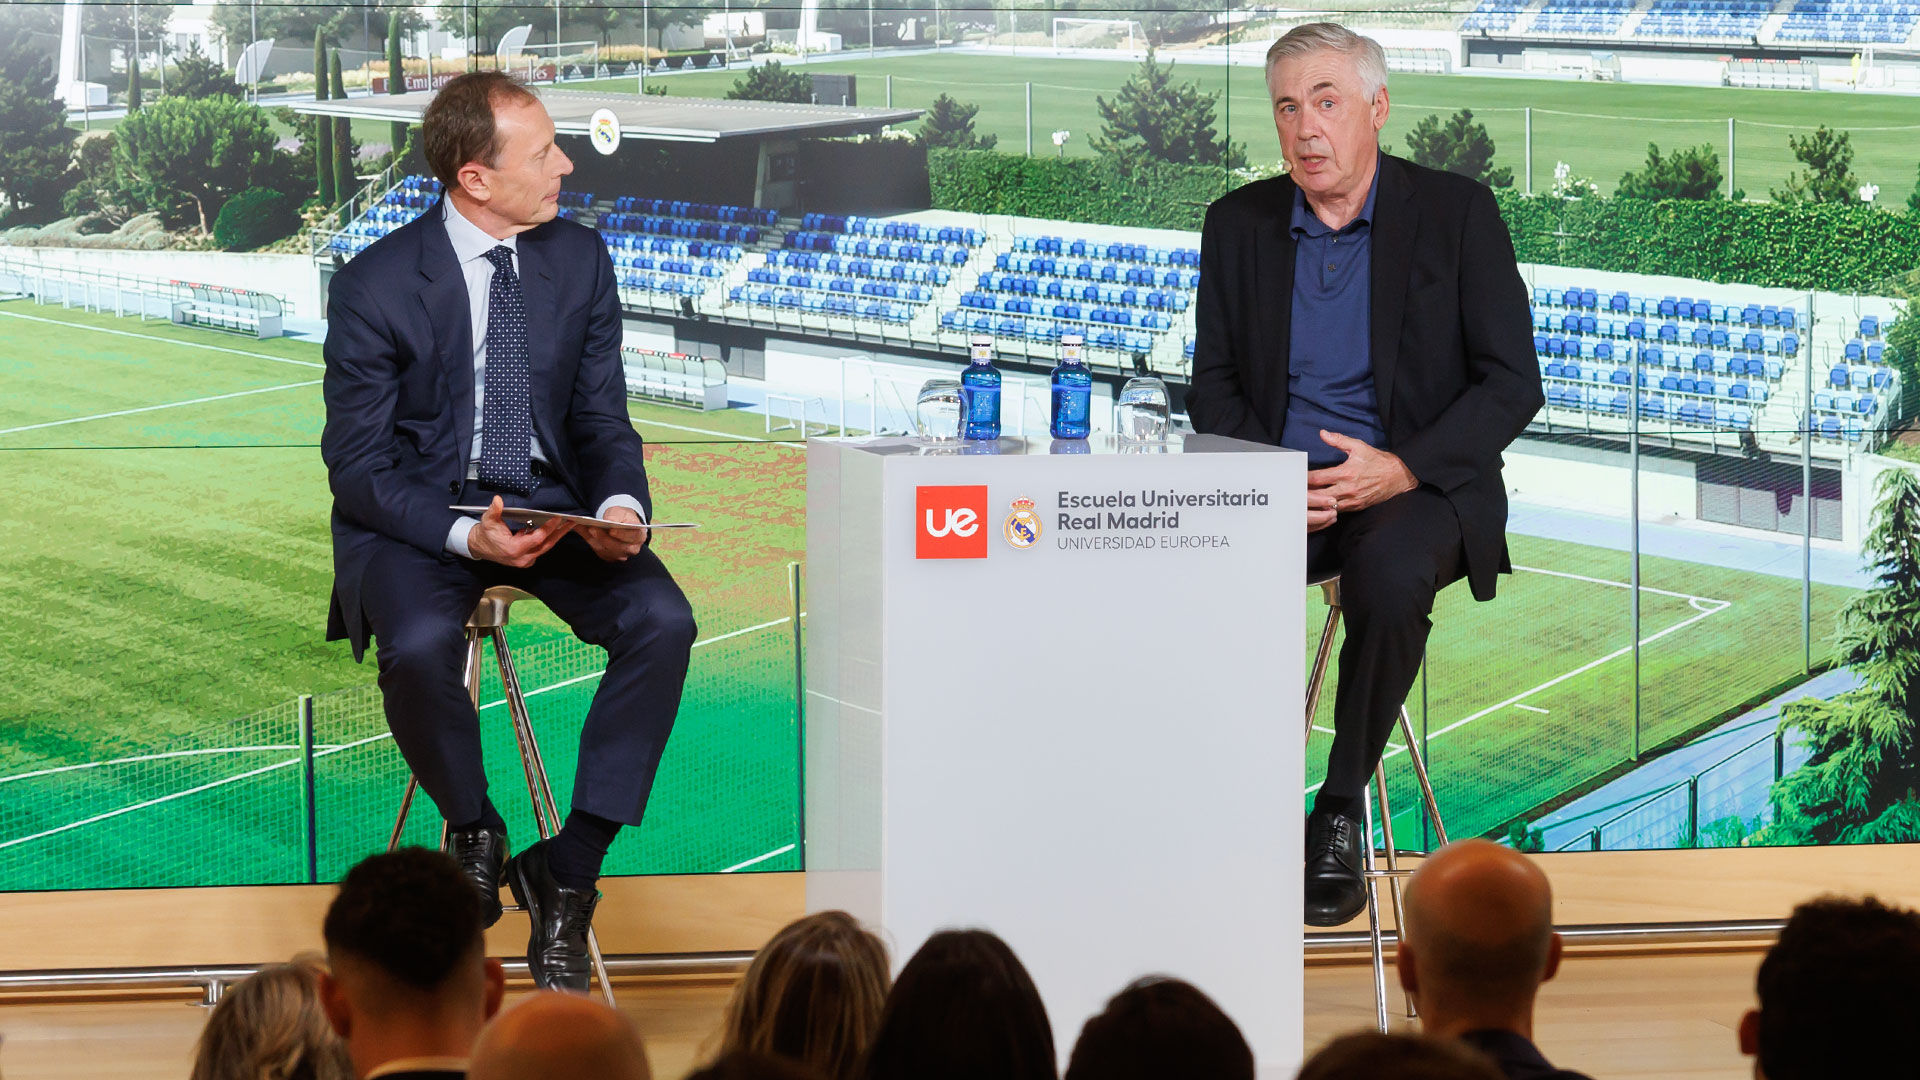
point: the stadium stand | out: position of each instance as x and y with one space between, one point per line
1737 20
862 268
1493 15
1586 18
1763 22
1874 22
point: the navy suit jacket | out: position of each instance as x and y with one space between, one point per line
1452 336
399 390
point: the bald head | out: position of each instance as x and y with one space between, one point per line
1479 928
554 1034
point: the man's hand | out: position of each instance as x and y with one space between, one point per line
493 541
1367 478
616 545
1320 510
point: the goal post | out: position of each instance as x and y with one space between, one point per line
1085 33
552 62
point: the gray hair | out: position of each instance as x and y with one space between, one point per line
1369 59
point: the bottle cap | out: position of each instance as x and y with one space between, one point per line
980 347
1071 347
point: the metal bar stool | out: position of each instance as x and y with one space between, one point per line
489 621
1371 872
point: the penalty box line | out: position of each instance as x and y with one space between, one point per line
329 751
1703 607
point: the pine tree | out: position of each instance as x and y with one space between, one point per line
1861 782
396 83
1154 119
1689 173
1828 158
322 129
196 75
1913 200
344 182
36 145
185 157
771 82
949 124
1457 146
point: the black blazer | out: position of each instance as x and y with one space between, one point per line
399 390
1453 361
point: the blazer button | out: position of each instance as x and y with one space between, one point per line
453 487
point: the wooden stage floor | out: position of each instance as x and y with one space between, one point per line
1670 1016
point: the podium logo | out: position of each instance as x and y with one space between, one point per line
949 522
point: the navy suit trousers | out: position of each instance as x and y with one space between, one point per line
417 605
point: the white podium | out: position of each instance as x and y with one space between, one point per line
1054 690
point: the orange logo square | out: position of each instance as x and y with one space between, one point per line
950 522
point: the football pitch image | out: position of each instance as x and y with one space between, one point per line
167 522
1600 129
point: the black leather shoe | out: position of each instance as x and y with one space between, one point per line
1335 891
481 854
557 946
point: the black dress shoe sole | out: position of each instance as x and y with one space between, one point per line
1342 916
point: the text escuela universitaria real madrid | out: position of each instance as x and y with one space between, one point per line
1147 518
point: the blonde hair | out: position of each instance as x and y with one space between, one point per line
1369 59
269 1026
813 994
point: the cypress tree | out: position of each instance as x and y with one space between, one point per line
322 130
344 183
133 84
396 80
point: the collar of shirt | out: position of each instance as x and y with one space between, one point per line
420 1064
1306 224
471 242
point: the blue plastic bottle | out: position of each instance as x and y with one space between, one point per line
1072 391
980 393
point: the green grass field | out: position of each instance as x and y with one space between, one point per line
170 565
1601 129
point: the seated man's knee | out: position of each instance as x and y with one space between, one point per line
1385 588
422 647
662 619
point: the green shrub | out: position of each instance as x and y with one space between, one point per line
1093 190
255 217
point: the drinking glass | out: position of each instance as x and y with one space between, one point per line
936 412
1140 412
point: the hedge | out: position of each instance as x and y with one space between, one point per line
1092 190
1832 247
1844 248
255 217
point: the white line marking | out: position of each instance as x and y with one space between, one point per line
1581 670
168 340
156 408
1613 584
1531 708
335 749
144 757
759 858
717 434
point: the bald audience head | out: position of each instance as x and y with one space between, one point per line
554 1035
1479 939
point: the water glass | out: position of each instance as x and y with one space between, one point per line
936 412
1140 412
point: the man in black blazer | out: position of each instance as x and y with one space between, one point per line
1368 312
473 359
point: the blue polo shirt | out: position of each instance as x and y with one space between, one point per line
1329 349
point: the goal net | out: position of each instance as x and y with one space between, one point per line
1077 33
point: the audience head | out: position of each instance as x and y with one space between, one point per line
269 1026
744 1066
963 1008
1479 939
1160 1027
1369 1055
813 994
1835 991
552 1035
410 972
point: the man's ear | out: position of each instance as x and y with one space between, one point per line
1750 1036
473 180
333 1001
1407 967
496 987
1382 107
1555 947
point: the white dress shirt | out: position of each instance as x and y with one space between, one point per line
470 246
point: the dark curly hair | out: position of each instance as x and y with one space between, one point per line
1836 989
410 913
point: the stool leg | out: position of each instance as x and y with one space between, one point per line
545 813
1393 861
1320 658
400 821
1420 771
1368 875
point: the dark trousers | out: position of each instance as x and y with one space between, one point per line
418 604
1392 558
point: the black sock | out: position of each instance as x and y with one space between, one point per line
575 854
489 818
1344 805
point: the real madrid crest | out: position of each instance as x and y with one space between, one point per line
1023 525
603 130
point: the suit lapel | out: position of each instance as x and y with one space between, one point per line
1273 296
1394 230
444 296
536 285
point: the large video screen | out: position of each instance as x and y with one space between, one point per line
1707 638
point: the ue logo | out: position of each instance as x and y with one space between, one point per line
949 522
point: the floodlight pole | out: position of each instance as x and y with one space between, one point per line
132 104
253 28
869 34
556 42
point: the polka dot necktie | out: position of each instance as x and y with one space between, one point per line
506 434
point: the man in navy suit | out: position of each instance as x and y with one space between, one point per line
473 358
